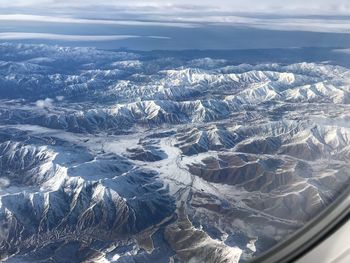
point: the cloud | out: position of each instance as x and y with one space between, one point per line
188 20
62 37
326 25
344 51
4 182
59 98
308 25
72 20
44 104
48 102
325 7
298 15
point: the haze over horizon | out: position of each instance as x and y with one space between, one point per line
177 24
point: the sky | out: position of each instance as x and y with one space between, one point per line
180 24
251 6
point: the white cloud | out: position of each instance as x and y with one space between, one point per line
327 25
46 103
71 20
61 37
269 14
326 7
311 24
4 182
344 51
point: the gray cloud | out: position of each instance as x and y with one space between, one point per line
180 19
310 24
72 20
298 15
61 37
325 7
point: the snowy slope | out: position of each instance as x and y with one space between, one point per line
124 157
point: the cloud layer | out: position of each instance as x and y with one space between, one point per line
202 24
325 7
62 37
310 24
72 20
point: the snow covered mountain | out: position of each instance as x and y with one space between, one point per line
109 156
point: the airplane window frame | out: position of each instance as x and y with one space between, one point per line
314 232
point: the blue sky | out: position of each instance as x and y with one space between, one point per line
178 24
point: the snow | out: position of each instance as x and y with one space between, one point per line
105 102
251 245
115 258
